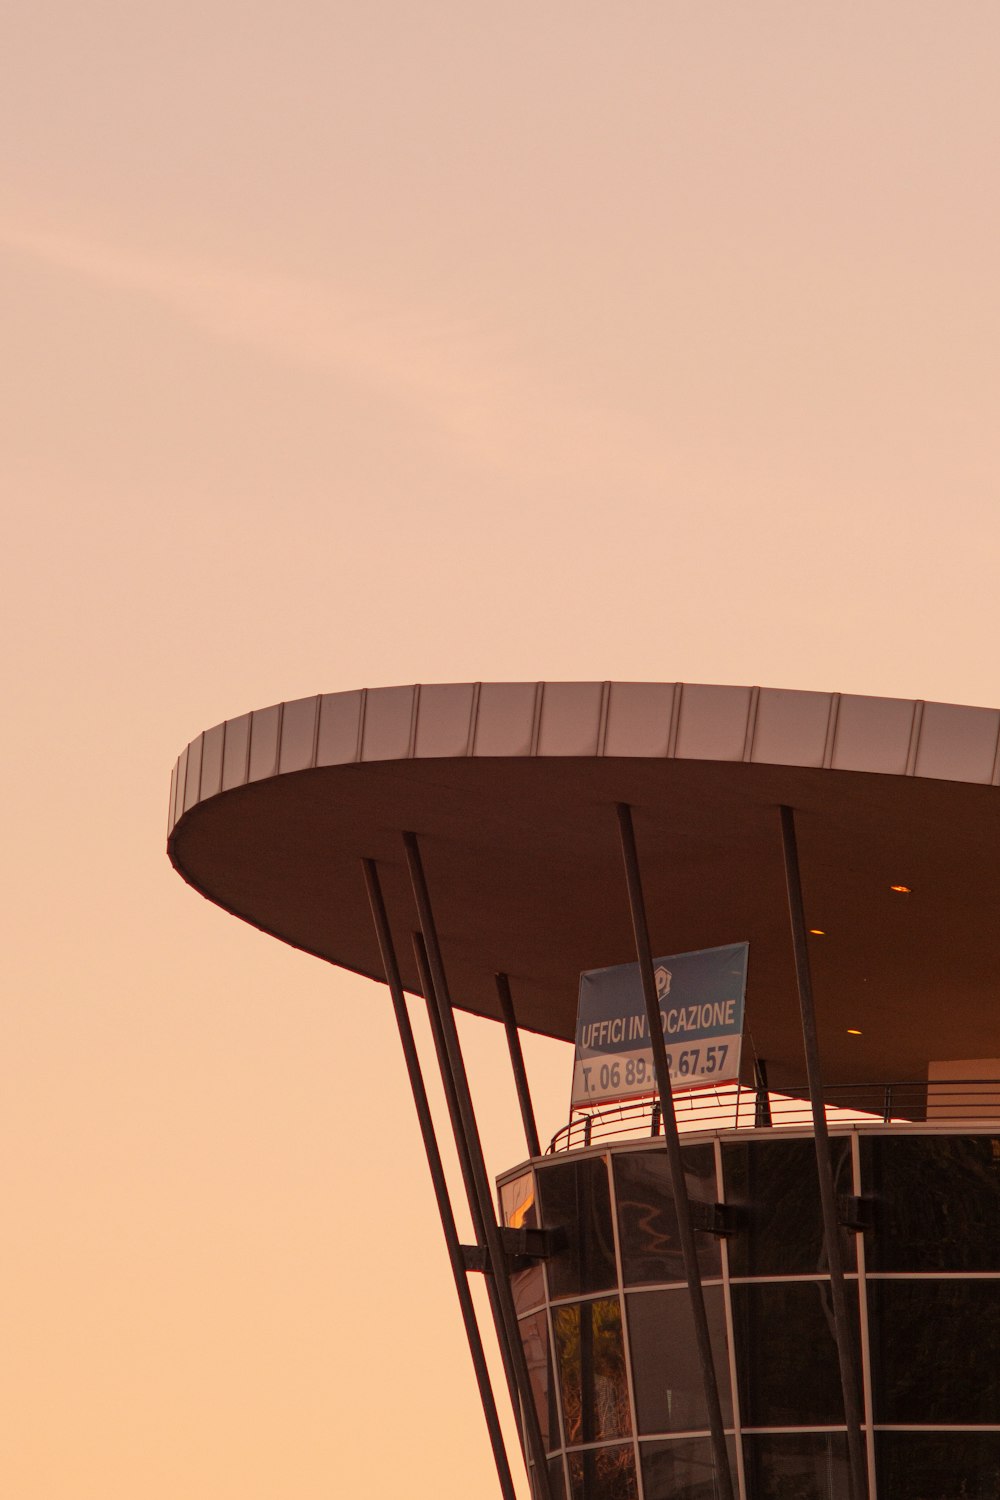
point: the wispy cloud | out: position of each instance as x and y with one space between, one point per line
457 375
401 351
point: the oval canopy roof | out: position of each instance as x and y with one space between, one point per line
512 788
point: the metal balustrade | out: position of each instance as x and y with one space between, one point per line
739 1107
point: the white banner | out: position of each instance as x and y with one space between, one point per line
701 997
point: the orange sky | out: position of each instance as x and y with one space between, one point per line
360 344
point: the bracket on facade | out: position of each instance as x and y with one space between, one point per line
720 1219
523 1248
854 1212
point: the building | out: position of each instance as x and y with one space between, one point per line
795 1291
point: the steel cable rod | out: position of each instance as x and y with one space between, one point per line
534 1444
517 1065
465 1163
827 1193
685 1230
426 1123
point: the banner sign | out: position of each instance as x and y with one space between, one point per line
701 999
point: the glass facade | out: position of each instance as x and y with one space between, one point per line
608 1332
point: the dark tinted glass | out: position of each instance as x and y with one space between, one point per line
775 1183
528 1288
938 1465
647 1222
576 1198
666 1375
935 1348
937 1202
683 1469
557 1479
535 1338
786 1354
591 1360
603 1474
798 1466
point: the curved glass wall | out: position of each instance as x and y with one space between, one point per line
607 1326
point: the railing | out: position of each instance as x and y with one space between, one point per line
735 1107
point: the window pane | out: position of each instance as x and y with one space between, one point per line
666 1374
575 1197
798 1466
517 1203
603 1474
647 1221
934 1347
938 1465
683 1469
535 1338
786 1353
592 1370
557 1479
518 1211
775 1182
528 1288
937 1202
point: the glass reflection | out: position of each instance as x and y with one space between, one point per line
518 1210
937 1202
517 1203
938 1465
666 1374
603 1474
576 1197
591 1359
775 1183
786 1351
798 1466
682 1469
647 1221
535 1338
934 1348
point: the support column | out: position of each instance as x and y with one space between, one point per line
828 1199
466 1123
685 1231
517 1065
394 982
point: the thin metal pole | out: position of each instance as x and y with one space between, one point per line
450 1094
393 980
762 1106
465 1162
685 1231
517 1064
827 1195
534 1444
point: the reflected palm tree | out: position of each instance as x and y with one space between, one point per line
591 1360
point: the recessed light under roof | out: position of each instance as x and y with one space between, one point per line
852 1031
902 890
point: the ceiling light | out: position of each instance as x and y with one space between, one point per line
851 1031
816 932
902 890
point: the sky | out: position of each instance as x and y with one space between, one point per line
347 345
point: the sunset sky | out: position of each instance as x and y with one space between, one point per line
358 344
